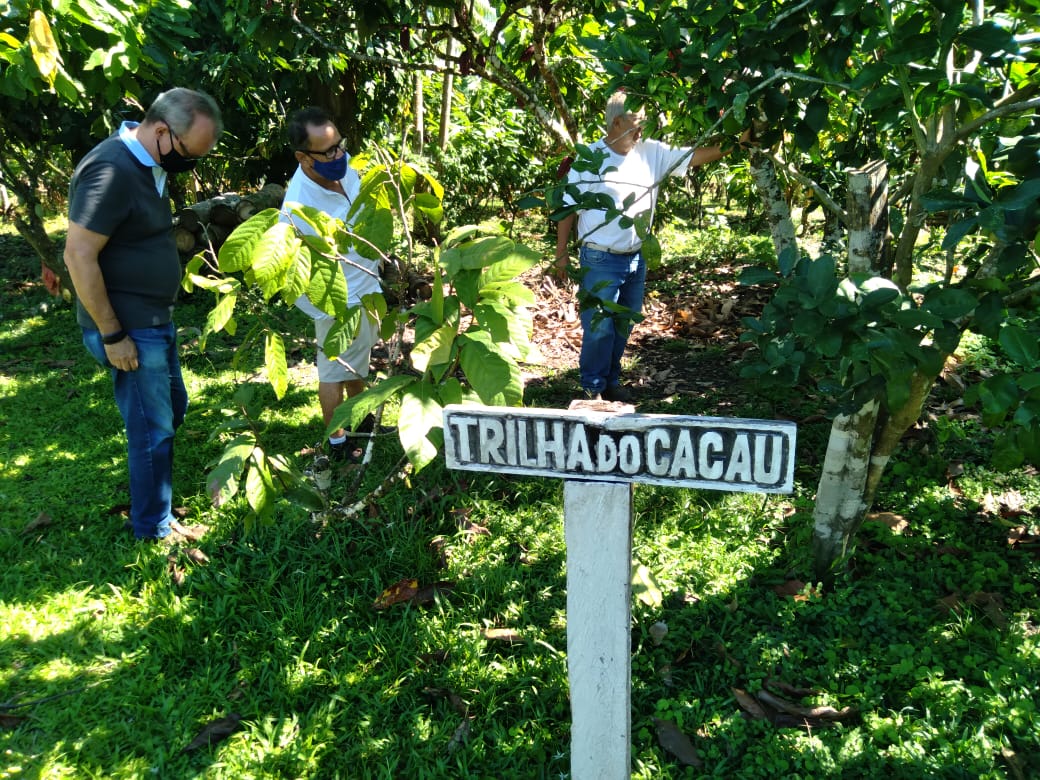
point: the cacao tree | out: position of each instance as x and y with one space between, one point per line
467 338
945 94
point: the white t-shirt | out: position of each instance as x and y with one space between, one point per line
637 174
306 192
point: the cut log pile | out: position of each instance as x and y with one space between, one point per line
208 223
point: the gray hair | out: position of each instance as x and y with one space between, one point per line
178 108
616 108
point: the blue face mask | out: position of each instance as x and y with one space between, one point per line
333 171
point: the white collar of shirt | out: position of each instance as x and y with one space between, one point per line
141 154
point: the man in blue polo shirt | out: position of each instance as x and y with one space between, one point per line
126 271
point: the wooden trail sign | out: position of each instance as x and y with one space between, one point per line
600 454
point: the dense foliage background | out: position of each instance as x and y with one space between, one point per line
485 101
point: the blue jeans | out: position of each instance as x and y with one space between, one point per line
619 279
152 401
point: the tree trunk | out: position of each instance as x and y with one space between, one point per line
867 210
778 212
420 115
840 504
861 444
446 99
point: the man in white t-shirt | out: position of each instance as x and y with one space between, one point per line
326 182
612 265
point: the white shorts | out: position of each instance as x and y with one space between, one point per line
352 364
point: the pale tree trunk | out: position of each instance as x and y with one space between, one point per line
840 496
867 215
778 211
447 86
861 443
420 115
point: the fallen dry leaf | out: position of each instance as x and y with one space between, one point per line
896 523
457 702
195 555
676 743
822 712
214 731
460 736
42 521
794 588
175 570
433 658
428 593
507 635
10 721
403 590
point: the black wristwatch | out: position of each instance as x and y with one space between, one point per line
113 338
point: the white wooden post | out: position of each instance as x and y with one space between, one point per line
598 533
600 453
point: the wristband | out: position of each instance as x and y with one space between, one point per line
113 338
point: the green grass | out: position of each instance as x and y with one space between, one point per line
111 668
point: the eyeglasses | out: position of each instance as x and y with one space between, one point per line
176 141
332 153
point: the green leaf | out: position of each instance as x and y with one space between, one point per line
430 205
342 334
645 587
512 293
755 275
949 303
487 370
297 275
519 260
327 289
421 415
219 317
999 396
651 251
945 200
479 253
1020 345
222 481
989 38
351 412
435 349
272 256
274 363
236 254
376 226
261 493
821 278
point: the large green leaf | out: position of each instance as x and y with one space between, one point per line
376 227
272 256
236 254
949 303
261 493
351 412
420 417
1020 345
487 370
274 363
511 293
478 253
327 289
435 349
219 316
519 260
341 335
297 276
222 481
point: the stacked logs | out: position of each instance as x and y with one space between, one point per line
208 223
